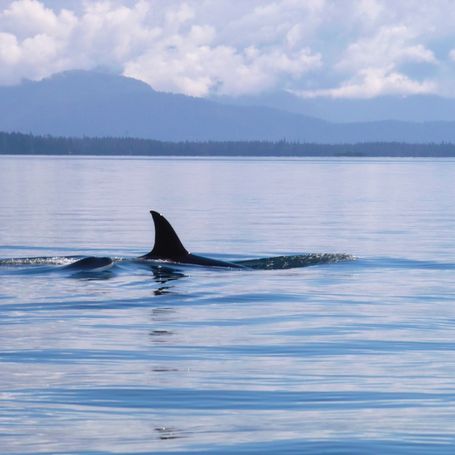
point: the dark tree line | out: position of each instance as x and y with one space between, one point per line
28 144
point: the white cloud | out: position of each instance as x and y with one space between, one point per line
372 82
389 47
357 48
191 66
372 65
33 40
28 17
10 52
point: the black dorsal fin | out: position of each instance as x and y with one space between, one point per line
167 243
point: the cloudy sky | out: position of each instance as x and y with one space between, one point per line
338 48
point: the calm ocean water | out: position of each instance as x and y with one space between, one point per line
352 357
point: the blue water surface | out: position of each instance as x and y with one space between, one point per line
351 357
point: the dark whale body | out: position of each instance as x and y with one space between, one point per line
91 263
168 247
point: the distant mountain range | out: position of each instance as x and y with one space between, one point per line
82 103
411 108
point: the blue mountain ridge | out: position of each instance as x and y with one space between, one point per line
89 103
407 108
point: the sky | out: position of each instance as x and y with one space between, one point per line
331 48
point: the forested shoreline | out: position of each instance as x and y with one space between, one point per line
28 144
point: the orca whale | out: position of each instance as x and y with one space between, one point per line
168 247
91 263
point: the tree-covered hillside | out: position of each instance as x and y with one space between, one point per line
27 144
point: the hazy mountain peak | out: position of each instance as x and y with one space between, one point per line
93 80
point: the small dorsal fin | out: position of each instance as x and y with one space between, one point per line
167 243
